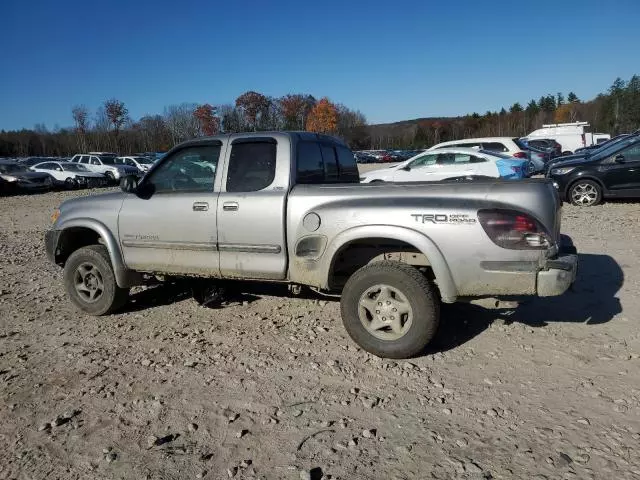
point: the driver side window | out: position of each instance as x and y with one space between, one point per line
632 154
423 161
192 169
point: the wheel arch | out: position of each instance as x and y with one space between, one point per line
81 232
410 240
584 177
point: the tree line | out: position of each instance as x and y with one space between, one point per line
615 111
111 128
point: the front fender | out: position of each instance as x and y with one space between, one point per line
124 277
444 279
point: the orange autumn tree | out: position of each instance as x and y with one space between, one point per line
208 122
323 117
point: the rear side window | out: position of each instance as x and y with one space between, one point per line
310 166
464 145
347 165
495 146
252 166
632 153
331 174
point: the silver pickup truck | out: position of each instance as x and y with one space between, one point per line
288 207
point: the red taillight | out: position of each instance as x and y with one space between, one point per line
522 223
520 155
514 230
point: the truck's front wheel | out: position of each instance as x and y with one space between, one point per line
390 309
91 283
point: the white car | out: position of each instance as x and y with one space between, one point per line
445 163
141 163
495 144
106 164
71 175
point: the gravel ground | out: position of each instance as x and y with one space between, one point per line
271 386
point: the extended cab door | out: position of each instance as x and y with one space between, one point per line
169 226
251 208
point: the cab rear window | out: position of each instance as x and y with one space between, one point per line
318 163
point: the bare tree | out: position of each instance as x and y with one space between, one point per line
81 120
117 114
181 122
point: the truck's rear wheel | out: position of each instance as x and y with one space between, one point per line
390 309
91 283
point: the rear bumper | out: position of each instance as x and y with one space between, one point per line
559 273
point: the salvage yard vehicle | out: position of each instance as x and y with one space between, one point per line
447 163
141 163
106 164
287 207
612 171
571 136
15 178
70 175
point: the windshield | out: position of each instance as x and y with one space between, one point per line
609 148
7 168
73 167
144 160
108 160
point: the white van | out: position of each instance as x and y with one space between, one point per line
570 135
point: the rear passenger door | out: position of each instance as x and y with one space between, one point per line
449 165
251 209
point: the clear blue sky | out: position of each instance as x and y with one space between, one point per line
392 60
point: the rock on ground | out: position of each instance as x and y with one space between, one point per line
549 388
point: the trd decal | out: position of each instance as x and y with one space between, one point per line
456 218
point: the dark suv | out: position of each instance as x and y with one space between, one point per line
610 171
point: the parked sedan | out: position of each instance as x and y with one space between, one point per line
141 163
362 157
71 175
610 171
444 163
538 157
15 178
31 161
547 144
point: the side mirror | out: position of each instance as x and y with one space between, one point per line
406 168
129 184
619 158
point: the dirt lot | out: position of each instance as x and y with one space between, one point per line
271 387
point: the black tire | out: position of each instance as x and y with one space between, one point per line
110 177
419 294
107 299
70 184
584 193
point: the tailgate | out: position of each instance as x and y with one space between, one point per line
537 197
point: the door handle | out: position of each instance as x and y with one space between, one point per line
200 206
230 206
